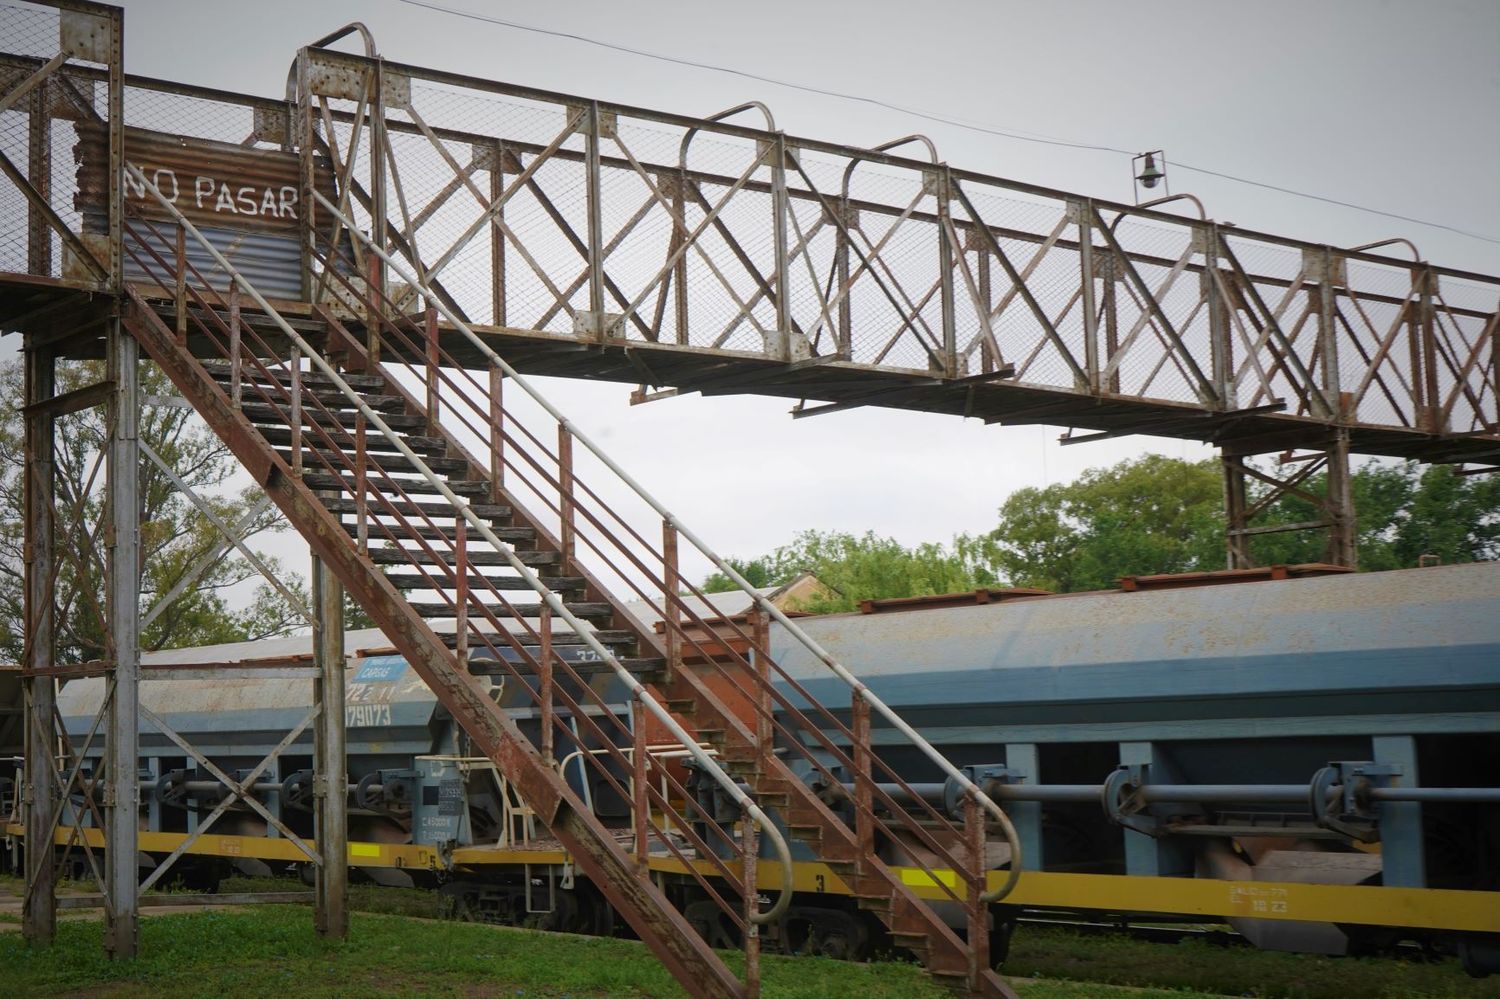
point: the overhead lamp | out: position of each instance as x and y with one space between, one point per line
1149 170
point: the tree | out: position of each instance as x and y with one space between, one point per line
175 536
1402 512
1144 516
856 568
1148 515
1155 515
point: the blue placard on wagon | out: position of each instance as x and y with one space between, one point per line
380 669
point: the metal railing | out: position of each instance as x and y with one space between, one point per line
279 384
461 389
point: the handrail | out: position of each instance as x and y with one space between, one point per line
807 641
554 603
687 138
326 40
855 161
1202 212
518 447
1416 254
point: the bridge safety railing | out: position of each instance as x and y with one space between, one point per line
61 80
598 222
602 223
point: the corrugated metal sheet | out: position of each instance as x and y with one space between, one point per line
246 202
215 184
271 262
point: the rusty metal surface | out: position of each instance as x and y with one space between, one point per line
218 185
1181 580
640 902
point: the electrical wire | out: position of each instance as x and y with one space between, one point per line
972 126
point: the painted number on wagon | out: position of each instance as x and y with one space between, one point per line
366 715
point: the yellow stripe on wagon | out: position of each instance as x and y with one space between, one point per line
1419 908
918 877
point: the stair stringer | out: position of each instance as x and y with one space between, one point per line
948 956
669 935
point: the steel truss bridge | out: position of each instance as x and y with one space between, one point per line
342 281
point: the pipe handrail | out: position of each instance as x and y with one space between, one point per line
324 42
860 689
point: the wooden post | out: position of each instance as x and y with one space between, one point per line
296 391
497 237
750 843
461 589
497 434
361 498
864 803
236 391
671 612
431 328
544 681
179 300
565 494
374 276
40 788
641 802
976 910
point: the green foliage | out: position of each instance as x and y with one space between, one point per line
272 952
860 567
1152 514
176 537
1403 512
1147 515
1217 969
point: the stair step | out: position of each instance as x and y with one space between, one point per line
586 611
412 556
444 531
346 505
278 415
480 584
323 480
315 457
375 442
635 665
611 637
251 373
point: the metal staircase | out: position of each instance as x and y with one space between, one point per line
368 437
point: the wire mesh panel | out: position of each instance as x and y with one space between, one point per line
57 71
559 216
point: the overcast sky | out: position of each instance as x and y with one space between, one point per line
1388 104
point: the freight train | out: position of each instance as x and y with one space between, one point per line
1307 755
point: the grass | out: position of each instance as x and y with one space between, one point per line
1235 970
392 954
270 952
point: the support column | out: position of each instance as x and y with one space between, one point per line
1327 453
330 769
1023 758
39 786
1400 821
1145 855
1236 541
121 789
1339 499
